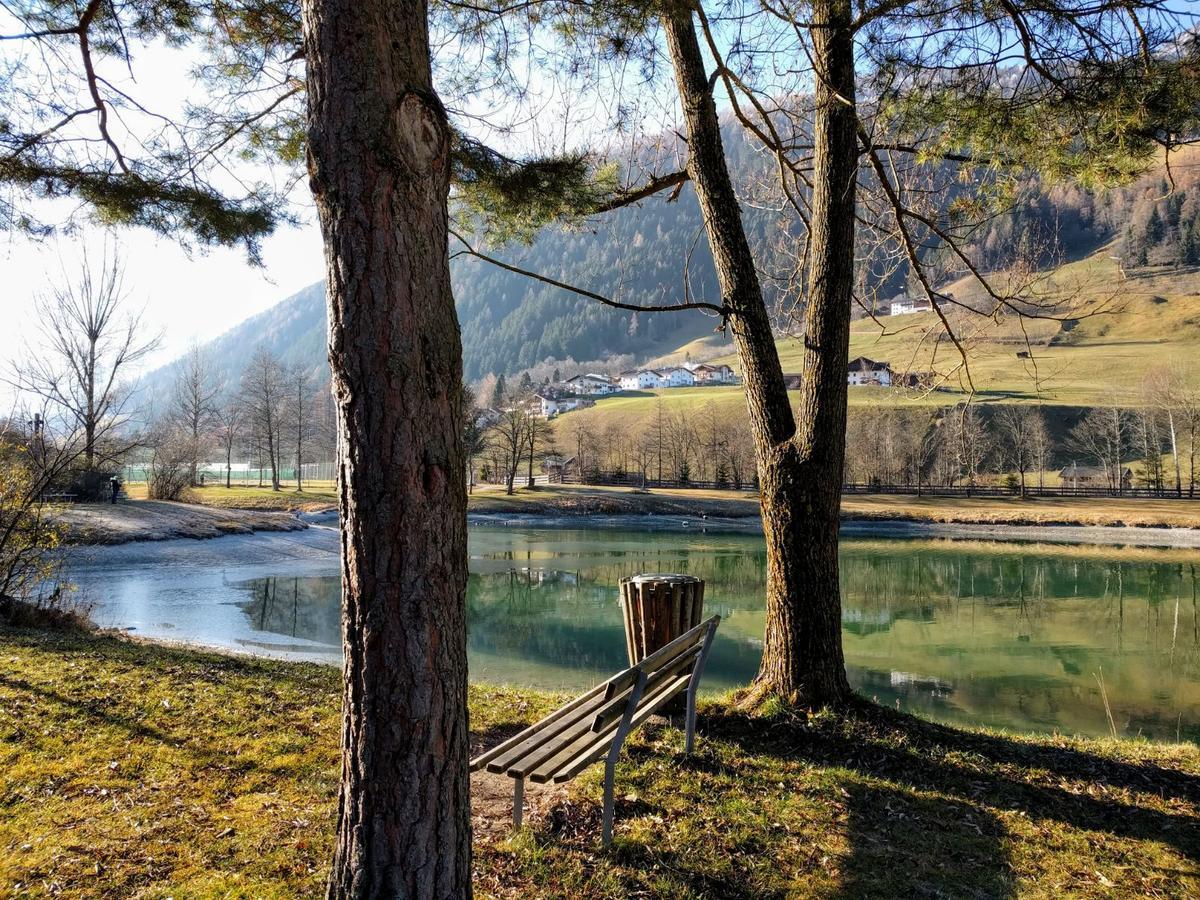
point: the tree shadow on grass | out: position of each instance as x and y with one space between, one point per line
920 820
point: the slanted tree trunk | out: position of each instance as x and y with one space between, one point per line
378 144
800 467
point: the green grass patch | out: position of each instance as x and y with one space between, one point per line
316 495
134 770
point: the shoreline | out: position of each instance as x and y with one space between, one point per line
153 522
1111 535
142 521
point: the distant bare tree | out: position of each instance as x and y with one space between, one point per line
91 342
228 421
194 403
171 456
539 440
680 438
475 439
584 439
1102 435
1169 390
264 392
1015 426
1041 446
508 435
970 441
1146 436
300 423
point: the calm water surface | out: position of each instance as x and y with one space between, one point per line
998 633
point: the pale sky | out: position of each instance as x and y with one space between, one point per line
188 299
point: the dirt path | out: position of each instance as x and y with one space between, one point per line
158 520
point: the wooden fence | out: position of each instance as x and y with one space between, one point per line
626 479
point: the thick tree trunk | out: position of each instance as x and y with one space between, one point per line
379 164
800 469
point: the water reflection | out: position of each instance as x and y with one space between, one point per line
1003 634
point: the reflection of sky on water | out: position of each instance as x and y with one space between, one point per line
1003 634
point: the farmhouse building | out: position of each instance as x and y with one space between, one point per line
864 371
706 374
1076 476
903 305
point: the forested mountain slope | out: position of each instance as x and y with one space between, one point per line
645 256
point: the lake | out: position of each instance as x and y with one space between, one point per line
1029 637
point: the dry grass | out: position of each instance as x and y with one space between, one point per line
132 770
560 500
316 495
1086 511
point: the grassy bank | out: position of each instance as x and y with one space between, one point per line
130 770
316 495
591 500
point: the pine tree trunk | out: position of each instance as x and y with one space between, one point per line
799 469
379 165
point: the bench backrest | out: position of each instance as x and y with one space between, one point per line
584 729
678 660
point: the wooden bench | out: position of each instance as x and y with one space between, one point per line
594 726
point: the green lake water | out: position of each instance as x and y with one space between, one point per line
1012 635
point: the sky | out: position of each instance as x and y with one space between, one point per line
186 298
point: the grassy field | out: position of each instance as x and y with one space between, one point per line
131 770
316 495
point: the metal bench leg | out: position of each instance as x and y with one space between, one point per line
518 802
693 685
610 774
690 732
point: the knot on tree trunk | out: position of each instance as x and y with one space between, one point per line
422 136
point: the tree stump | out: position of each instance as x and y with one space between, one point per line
657 609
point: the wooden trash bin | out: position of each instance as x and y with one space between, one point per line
657 609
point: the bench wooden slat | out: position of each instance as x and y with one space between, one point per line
522 736
522 760
574 759
611 712
552 733
657 659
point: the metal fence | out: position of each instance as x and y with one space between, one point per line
244 474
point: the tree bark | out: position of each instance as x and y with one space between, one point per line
378 145
800 465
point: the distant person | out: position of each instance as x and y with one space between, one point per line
114 486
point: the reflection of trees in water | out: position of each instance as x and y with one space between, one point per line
304 607
920 586
545 616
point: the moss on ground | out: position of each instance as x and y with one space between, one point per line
134 770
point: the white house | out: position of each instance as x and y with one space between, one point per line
902 305
640 380
676 376
591 383
553 404
863 371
